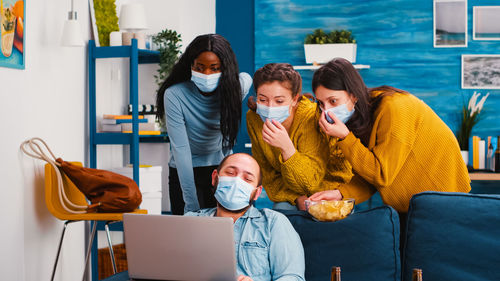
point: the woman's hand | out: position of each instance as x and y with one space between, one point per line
276 135
300 202
244 278
337 129
326 195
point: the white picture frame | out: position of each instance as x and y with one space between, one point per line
478 71
450 23
486 23
95 33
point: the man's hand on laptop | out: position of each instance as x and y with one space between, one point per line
244 278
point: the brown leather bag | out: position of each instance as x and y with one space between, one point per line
107 191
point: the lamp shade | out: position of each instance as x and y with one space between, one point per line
72 34
132 17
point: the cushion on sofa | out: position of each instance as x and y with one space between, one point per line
365 245
453 236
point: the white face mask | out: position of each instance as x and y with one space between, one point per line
278 113
205 83
233 193
341 112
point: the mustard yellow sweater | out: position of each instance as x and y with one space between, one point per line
311 168
410 150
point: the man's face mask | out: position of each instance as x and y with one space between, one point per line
278 113
341 112
233 193
206 83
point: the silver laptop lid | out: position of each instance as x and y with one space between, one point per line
161 247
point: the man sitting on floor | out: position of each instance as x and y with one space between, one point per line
267 246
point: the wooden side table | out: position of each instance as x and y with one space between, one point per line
484 176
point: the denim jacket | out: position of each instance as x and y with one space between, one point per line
266 244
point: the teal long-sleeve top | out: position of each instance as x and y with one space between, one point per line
193 126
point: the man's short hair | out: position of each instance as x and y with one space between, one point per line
228 156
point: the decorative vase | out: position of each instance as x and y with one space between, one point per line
465 156
323 53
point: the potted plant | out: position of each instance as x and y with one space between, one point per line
320 46
168 44
469 117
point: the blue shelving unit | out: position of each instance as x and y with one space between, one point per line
136 57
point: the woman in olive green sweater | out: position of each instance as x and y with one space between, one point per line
395 143
293 155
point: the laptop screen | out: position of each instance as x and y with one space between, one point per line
167 247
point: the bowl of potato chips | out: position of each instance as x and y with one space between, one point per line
330 210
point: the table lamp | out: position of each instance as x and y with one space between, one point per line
132 17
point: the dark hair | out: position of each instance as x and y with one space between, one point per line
340 74
228 90
281 72
230 155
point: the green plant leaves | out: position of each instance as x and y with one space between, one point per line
319 36
106 19
169 45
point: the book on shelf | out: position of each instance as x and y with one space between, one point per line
111 128
482 152
121 121
112 116
142 127
144 132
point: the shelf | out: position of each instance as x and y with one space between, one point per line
126 138
154 138
145 56
314 67
484 176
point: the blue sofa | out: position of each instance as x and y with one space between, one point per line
453 236
450 236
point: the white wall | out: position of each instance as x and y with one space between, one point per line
48 99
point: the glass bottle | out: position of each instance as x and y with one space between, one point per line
417 274
497 157
335 273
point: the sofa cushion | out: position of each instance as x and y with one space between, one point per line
453 236
365 245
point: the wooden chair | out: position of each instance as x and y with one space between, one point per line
74 195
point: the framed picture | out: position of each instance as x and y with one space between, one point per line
450 23
480 71
104 20
12 30
486 23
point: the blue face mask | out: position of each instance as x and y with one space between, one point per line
233 193
278 113
341 112
206 83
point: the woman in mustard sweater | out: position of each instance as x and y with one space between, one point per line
293 155
395 143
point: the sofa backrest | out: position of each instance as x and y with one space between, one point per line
365 245
453 236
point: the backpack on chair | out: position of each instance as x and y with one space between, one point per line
108 192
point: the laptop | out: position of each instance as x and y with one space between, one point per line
162 247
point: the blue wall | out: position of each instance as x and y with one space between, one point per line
394 37
235 21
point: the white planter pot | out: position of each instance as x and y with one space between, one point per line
323 53
465 156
